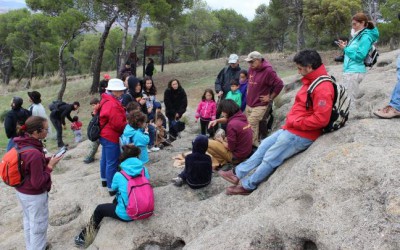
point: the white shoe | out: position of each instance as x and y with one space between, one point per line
154 149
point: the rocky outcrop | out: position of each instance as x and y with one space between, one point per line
341 193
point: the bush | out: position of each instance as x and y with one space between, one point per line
3 115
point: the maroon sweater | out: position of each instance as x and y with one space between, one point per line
239 136
37 174
262 81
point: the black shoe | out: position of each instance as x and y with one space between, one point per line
88 160
104 183
112 193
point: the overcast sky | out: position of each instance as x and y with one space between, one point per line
247 8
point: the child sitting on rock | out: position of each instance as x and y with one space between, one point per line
198 170
117 210
161 132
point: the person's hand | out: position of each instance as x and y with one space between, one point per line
53 161
265 98
212 123
220 93
342 44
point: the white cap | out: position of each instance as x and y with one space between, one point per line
233 58
253 55
115 84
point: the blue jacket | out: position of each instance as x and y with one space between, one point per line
133 167
138 138
243 90
357 49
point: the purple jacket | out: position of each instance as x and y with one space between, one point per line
239 136
243 90
262 81
37 174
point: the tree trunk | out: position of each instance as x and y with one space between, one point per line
28 63
7 75
300 32
62 74
99 60
124 53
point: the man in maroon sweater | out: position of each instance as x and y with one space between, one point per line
264 85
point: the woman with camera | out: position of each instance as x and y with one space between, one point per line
364 34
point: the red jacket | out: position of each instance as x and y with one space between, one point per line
38 179
239 136
262 81
309 123
112 118
76 125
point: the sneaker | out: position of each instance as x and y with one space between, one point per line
177 181
154 149
79 241
387 112
88 160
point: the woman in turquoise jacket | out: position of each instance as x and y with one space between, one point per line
133 167
355 51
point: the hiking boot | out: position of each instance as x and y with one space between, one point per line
387 112
88 160
229 176
237 190
177 181
79 241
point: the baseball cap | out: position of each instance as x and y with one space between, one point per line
233 58
253 56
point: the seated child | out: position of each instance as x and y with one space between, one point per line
133 167
235 93
137 133
198 170
76 127
161 132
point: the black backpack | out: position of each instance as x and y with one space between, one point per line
93 129
55 105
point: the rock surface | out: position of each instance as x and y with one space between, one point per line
341 193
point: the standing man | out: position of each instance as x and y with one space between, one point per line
226 75
303 126
264 85
58 116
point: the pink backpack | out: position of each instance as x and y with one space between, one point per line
140 196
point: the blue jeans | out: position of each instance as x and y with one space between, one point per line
271 153
152 135
109 160
395 100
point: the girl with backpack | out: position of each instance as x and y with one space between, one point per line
132 166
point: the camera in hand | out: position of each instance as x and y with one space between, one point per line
61 151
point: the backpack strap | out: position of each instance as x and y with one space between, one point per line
315 84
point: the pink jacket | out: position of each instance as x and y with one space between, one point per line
206 110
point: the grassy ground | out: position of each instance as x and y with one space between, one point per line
194 77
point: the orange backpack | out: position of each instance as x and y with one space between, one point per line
11 170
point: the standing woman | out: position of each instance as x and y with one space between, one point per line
175 101
149 71
33 193
37 108
355 51
112 124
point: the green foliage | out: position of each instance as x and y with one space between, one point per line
389 29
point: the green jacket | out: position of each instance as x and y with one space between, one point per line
357 49
235 96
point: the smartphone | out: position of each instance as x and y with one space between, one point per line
61 152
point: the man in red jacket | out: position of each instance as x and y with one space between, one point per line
264 85
303 126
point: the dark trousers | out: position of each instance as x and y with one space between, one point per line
58 126
204 127
171 131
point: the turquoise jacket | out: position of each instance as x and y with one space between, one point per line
357 49
133 167
138 138
235 96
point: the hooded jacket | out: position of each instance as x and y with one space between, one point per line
224 78
15 117
357 50
112 118
175 102
37 174
133 167
198 165
243 90
63 111
239 136
138 138
262 81
309 123
206 110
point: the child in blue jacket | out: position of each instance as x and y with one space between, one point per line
133 167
